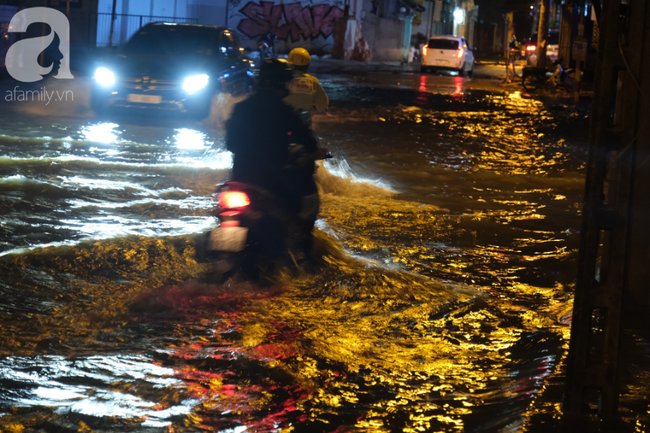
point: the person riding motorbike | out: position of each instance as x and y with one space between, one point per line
264 134
306 94
265 46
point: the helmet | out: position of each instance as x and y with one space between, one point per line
299 57
275 73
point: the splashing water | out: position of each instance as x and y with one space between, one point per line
447 235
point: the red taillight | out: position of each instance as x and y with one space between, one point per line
531 48
424 50
233 199
460 52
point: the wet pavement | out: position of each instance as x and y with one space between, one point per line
448 234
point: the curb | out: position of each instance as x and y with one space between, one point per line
330 66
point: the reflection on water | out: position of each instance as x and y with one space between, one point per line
102 132
100 180
356 345
190 139
65 384
459 86
448 242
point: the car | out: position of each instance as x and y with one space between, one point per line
552 47
448 53
177 68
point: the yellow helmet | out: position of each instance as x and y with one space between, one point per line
299 57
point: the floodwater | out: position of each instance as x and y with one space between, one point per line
449 235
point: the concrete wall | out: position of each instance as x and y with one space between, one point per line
307 24
384 36
163 8
435 22
425 27
6 38
207 11
6 14
140 12
82 30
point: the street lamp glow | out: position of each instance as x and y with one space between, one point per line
459 16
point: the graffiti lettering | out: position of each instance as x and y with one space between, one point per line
307 22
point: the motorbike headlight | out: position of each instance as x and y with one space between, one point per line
195 83
104 77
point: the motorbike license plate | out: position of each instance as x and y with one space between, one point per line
232 239
144 99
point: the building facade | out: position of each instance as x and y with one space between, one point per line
380 30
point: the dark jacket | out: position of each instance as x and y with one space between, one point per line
259 134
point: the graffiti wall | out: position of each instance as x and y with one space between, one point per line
308 24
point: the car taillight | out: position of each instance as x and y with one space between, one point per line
233 199
424 50
531 48
460 52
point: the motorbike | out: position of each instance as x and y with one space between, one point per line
265 46
259 234
562 77
534 78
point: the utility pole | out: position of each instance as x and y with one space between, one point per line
507 34
542 32
566 38
110 35
535 18
406 38
579 50
612 292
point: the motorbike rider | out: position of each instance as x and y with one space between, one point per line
265 46
260 134
306 94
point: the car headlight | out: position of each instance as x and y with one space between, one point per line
104 77
195 83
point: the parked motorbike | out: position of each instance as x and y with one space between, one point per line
259 234
541 78
562 77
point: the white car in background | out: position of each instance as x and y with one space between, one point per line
448 53
552 48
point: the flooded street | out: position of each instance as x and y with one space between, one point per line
449 234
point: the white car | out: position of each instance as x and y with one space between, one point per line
448 53
552 48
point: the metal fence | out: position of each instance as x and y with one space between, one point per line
126 25
87 30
